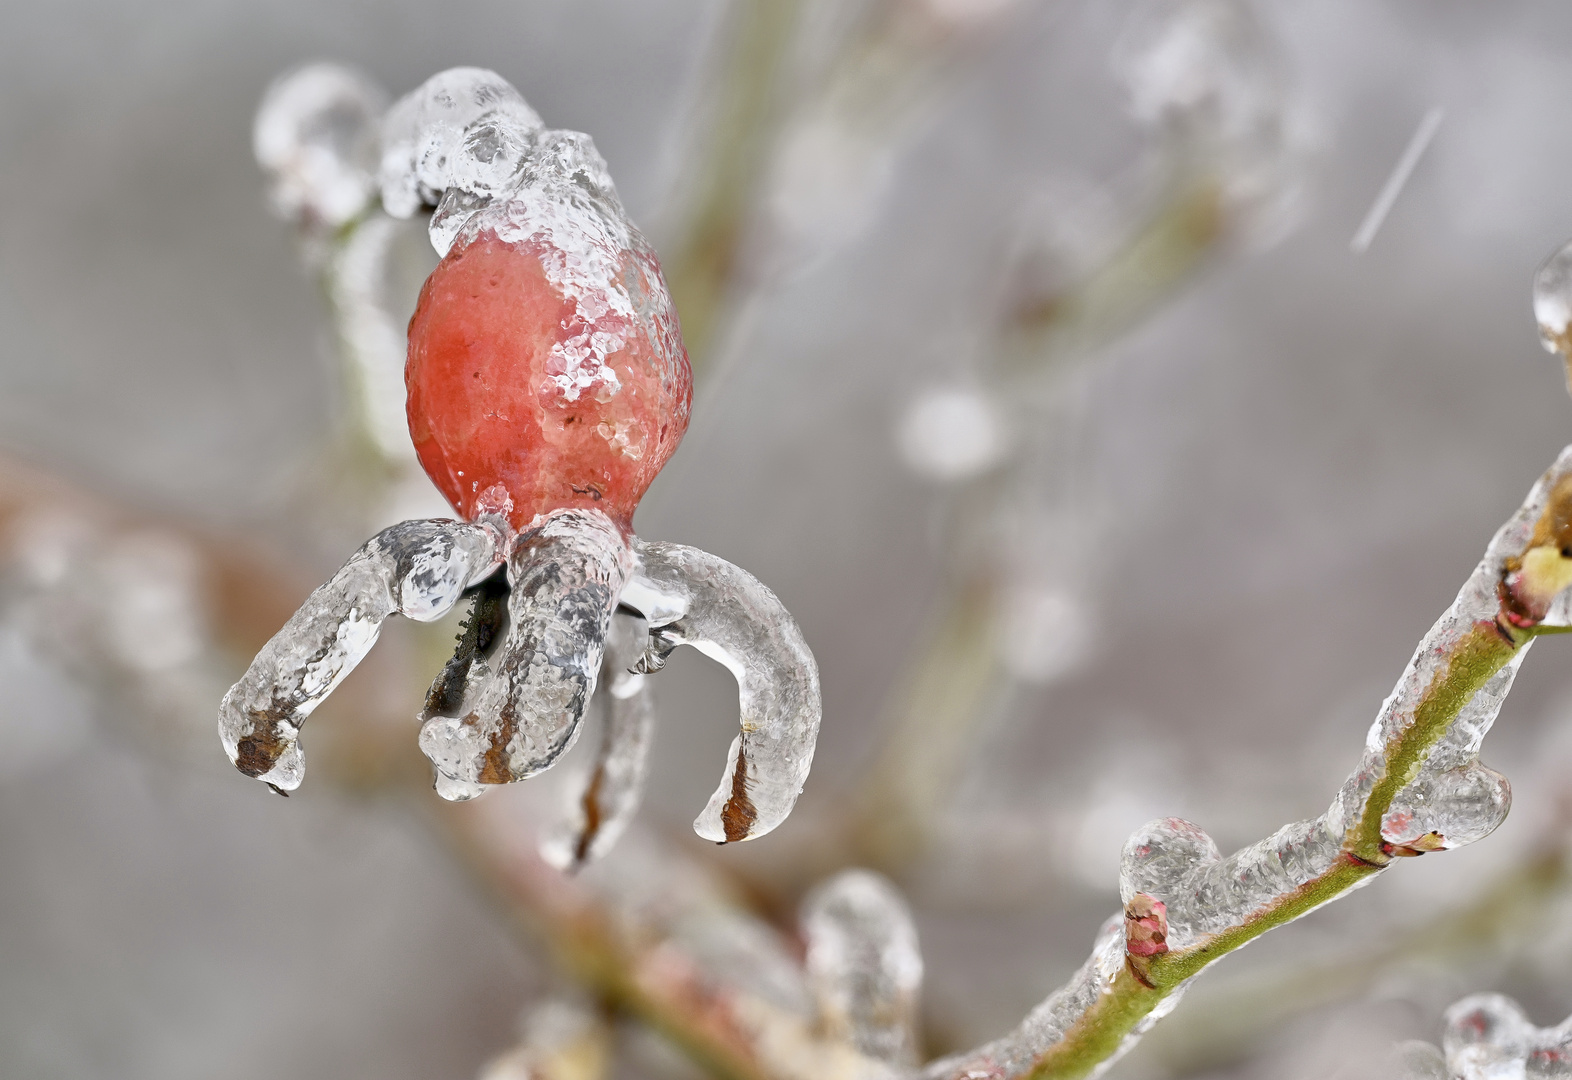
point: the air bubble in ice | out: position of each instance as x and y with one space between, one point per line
316 135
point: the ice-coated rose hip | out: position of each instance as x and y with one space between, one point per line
547 384
567 401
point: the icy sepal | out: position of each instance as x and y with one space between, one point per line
599 814
423 136
316 136
1487 1037
520 714
417 569
864 964
690 597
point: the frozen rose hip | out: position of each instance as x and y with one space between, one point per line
566 401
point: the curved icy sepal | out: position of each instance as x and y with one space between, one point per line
864 964
691 597
316 135
599 814
1487 1036
416 568
424 147
1440 811
522 712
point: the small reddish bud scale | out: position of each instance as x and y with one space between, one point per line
1145 926
512 383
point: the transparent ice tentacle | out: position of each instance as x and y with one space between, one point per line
518 716
316 136
691 597
864 964
417 569
600 812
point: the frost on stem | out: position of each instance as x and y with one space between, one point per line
521 710
316 136
1487 1037
600 812
864 964
690 597
417 569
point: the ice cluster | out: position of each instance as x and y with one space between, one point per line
864 964
315 135
1487 1037
1553 302
558 1040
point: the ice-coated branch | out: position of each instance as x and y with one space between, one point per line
417 569
1418 788
690 597
864 964
518 715
599 813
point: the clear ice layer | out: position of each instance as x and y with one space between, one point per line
1487 1037
417 569
316 136
599 813
1045 1026
1553 301
690 597
462 112
521 710
864 964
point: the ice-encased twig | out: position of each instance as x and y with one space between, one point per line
1487 1037
316 136
416 568
1418 788
864 964
690 597
521 712
600 812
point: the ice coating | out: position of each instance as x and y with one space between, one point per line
1553 301
518 715
1046 1025
601 811
424 135
417 569
864 964
690 597
316 135
1487 1037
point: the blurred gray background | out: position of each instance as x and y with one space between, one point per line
1295 464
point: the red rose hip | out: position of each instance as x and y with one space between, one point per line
558 374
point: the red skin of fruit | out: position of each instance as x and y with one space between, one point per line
483 409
